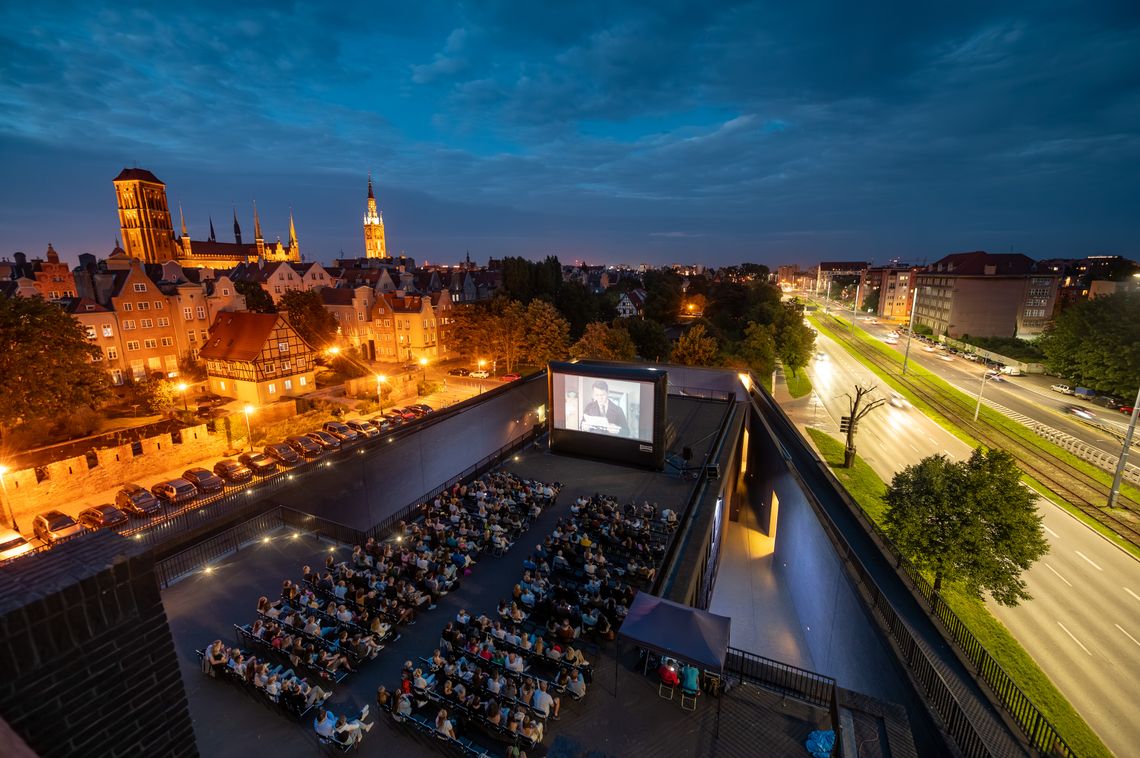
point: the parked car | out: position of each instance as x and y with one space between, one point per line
423 407
363 428
511 377
1064 389
394 417
259 463
459 372
234 472
13 544
135 500
175 491
305 446
1011 370
405 414
383 423
102 517
480 374
1126 409
282 454
204 480
324 439
54 526
340 431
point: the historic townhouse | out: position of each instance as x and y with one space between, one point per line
257 358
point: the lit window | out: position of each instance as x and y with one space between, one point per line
288 384
90 331
302 381
107 331
272 388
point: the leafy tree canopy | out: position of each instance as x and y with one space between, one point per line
758 348
547 333
256 298
970 522
578 305
495 331
307 314
648 337
695 348
45 362
795 340
604 343
1096 344
524 280
662 296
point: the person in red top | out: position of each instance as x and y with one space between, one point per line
668 674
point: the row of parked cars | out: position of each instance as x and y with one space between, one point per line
135 501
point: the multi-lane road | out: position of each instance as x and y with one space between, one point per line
1083 624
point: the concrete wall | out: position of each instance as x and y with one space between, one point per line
88 660
842 640
986 307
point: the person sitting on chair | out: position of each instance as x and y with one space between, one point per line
668 673
690 679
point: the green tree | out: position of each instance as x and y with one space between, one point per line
795 340
649 338
970 523
306 313
1096 344
547 333
695 348
46 368
578 305
604 343
256 298
662 296
758 348
156 395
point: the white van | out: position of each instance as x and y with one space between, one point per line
1011 370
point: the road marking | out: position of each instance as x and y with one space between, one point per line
1057 536
912 447
1098 568
1063 579
932 440
1126 634
1066 631
1133 594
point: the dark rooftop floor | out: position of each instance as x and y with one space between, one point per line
636 722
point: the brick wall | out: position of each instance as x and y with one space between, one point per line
87 659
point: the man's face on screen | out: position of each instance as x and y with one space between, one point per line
599 396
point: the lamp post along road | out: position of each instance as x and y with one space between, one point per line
910 330
4 499
855 305
248 432
182 387
985 376
1118 478
380 378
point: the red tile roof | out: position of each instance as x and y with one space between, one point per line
239 336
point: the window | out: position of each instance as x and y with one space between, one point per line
193 337
144 306
133 345
90 331
158 305
282 347
270 368
164 321
187 314
302 381
128 324
112 354
116 377
288 384
140 287
225 292
202 334
150 344
277 289
107 331
201 311
167 342
359 315
128 307
221 384
146 323
272 388
284 366
96 358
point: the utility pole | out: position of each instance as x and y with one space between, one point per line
910 330
1118 478
855 305
985 376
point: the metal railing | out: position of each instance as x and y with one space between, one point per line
191 559
784 678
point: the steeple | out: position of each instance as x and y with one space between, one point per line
374 243
292 232
212 238
257 238
182 218
371 196
237 229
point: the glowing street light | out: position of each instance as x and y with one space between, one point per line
182 387
380 379
4 498
248 433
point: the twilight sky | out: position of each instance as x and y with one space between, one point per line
653 132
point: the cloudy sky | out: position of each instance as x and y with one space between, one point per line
604 131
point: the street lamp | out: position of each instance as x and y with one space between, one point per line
248 433
182 387
985 377
423 367
855 306
910 330
1119 476
4 498
380 379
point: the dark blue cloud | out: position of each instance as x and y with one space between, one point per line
657 131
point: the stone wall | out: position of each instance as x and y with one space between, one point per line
88 660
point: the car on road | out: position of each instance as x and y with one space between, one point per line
234 472
259 463
994 375
1064 389
459 372
135 500
340 431
821 356
204 480
946 357
891 340
102 517
480 374
1126 409
306 447
363 428
511 377
13 544
282 453
174 491
55 526
324 439
1080 412
897 401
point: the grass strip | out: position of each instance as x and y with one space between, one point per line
867 489
798 383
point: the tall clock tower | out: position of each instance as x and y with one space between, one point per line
144 217
374 245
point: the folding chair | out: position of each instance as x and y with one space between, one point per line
689 699
665 690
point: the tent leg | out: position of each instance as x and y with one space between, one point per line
617 662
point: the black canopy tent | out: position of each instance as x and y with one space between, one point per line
688 634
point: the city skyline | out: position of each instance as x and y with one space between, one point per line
716 134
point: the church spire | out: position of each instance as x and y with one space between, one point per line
256 223
292 232
371 196
237 228
212 237
182 218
